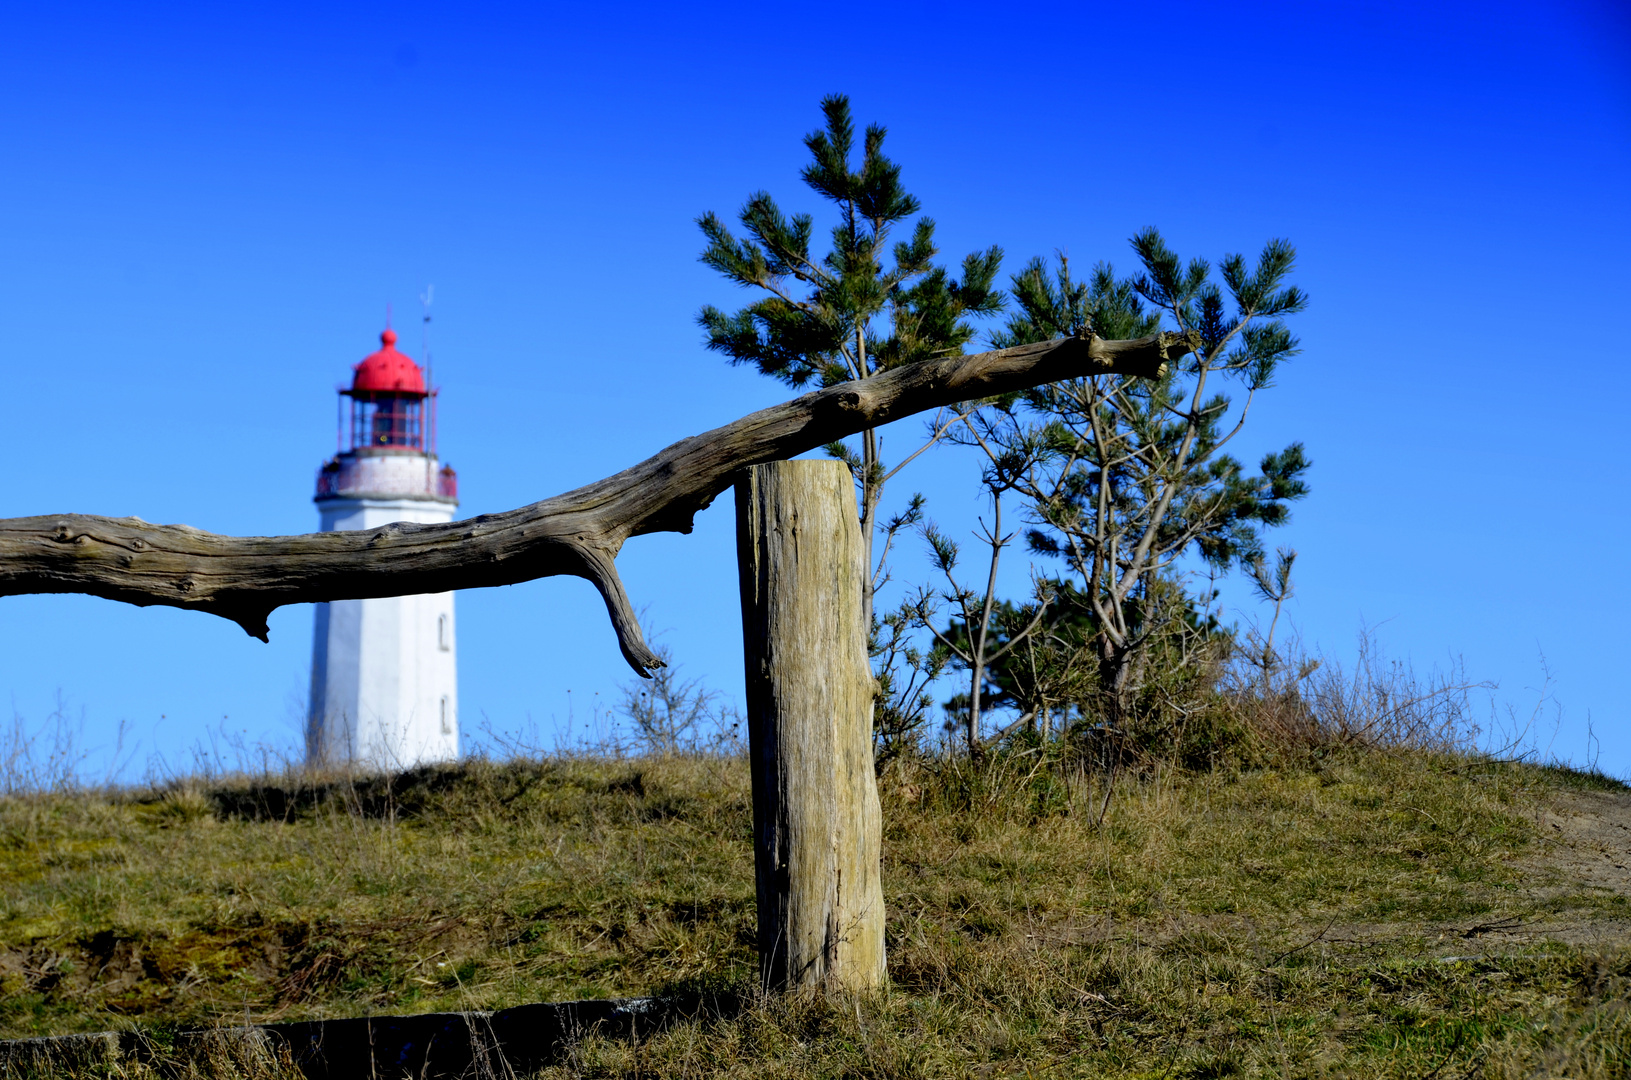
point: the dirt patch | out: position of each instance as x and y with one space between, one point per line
1584 855
1582 858
1588 839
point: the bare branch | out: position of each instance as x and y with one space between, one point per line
579 533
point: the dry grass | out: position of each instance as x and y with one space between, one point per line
1352 913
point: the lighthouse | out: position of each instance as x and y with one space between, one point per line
384 684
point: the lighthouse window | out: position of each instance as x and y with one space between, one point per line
447 716
396 422
387 421
444 635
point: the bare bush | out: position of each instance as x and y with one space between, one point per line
669 714
50 756
1300 701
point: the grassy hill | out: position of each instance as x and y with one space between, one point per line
1346 913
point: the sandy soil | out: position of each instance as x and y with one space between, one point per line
1586 848
1584 852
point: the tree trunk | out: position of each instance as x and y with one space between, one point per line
817 826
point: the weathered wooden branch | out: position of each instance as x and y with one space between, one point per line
245 578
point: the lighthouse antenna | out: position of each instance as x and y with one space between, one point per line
424 347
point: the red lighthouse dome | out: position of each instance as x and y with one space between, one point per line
391 449
388 372
388 403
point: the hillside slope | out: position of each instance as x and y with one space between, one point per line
1394 914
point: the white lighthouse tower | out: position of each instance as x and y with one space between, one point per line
384 685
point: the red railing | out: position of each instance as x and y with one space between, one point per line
328 480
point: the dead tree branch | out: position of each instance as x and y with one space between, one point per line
245 578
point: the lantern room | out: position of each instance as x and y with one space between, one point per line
391 407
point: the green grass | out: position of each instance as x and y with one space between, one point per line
1277 922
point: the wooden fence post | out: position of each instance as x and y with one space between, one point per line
817 826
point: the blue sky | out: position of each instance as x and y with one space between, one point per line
204 212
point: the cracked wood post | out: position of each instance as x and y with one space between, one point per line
817 825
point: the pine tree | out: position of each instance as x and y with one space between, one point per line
860 309
1126 476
